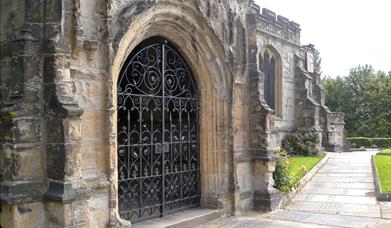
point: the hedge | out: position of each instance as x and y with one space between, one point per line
357 142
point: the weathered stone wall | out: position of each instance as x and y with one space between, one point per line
90 76
22 158
282 36
329 124
60 61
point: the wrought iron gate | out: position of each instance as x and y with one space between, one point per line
158 142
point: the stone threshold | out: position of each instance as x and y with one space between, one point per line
181 219
380 195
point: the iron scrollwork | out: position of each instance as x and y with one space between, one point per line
158 141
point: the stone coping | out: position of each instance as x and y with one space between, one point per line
287 197
380 195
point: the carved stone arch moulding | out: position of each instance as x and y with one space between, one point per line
188 32
270 63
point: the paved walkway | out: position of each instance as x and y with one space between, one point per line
341 194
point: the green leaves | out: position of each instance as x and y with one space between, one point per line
290 170
365 98
301 141
282 175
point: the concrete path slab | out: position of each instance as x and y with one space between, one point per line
366 200
385 209
254 222
341 194
372 211
342 191
339 185
324 219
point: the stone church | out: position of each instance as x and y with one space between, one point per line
115 112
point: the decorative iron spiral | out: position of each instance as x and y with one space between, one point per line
158 141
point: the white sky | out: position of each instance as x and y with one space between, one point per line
346 32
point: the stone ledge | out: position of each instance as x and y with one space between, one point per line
65 193
22 191
255 155
380 196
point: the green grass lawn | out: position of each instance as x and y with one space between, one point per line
385 150
309 162
383 166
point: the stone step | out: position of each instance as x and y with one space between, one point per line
181 219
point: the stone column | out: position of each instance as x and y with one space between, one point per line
67 194
263 158
331 124
22 166
308 109
266 197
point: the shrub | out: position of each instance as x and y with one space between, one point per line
302 142
282 174
382 142
357 142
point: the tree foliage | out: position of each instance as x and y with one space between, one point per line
317 61
365 98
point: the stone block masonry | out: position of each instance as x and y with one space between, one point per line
60 62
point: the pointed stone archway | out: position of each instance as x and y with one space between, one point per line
204 54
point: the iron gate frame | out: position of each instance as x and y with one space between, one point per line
190 96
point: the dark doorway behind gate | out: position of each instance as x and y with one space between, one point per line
157 133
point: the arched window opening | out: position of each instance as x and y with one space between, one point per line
269 64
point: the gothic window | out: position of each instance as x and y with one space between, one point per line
269 64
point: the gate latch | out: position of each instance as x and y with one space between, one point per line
159 148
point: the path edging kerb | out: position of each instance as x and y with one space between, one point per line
380 196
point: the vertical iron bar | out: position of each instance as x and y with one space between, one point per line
188 136
163 127
180 147
141 156
197 126
128 146
152 147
